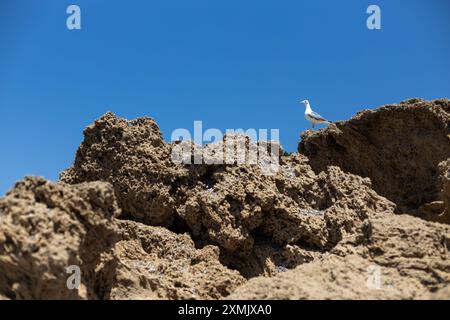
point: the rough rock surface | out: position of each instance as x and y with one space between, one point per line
228 205
394 257
141 225
334 278
155 263
398 147
134 158
47 227
444 169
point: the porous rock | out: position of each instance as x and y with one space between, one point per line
47 227
399 147
225 203
393 257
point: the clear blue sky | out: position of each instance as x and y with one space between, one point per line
229 63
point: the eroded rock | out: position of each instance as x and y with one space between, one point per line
133 157
398 147
393 257
155 263
312 229
224 203
444 170
47 227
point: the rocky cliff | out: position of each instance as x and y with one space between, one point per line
362 211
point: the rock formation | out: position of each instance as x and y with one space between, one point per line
228 205
394 257
48 227
399 147
334 221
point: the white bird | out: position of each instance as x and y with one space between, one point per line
312 116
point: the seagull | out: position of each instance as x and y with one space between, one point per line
312 116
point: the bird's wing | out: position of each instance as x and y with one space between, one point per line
317 116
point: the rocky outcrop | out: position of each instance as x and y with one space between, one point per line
140 224
133 157
334 278
47 228
394 257
155 263
226 204
398 147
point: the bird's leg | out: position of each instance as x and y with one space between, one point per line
313 125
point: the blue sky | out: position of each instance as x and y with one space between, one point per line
231 64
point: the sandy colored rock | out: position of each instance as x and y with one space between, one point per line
331 278
155 263
444 170
393 257
140 224
225 203
47 227
443 294
133 157
398 147
417 248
